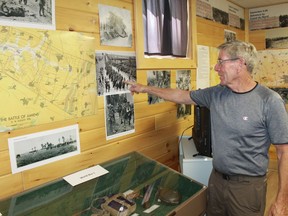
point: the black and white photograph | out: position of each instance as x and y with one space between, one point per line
115 26
39 14
229 35
159 79
119 115
183 81
276 38
113 69
220 16
33 150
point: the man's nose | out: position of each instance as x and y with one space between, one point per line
217 67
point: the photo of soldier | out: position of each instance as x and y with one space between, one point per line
24 13
183 81
158 79
119 110
112 70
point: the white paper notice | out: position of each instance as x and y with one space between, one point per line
152 208
85 175
203 69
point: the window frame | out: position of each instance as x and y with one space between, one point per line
150 62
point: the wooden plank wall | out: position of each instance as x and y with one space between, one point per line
211 34
156 127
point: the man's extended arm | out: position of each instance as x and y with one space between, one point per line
280 207
174 95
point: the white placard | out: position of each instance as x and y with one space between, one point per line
85 175
268 17
203 68
152 208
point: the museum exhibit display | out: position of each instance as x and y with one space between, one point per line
134 185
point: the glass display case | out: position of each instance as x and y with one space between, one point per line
135 185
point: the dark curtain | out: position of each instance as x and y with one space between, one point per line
165 27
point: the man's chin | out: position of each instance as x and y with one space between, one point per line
222 83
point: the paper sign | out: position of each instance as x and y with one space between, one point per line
85 175
152 208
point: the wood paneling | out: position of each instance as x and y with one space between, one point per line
258 39
211 33
156 127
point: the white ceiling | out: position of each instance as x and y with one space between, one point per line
256 3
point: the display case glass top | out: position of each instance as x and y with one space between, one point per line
135 185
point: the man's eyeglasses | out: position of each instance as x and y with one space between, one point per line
221 61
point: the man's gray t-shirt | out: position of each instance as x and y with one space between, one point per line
243 125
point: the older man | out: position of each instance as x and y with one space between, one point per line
246 118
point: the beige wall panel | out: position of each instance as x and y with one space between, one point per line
209 28
68 20
144 109
10 184
5 167
166 119
139 98
3 141
142 76
171 158
170 118
91 122
97 138
92 139
125 4
156 150
212 34
90 6
211 41
46 173
156 127
258 39
144 125
166 152
100 101
259 46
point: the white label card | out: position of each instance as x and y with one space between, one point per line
85 175
152 208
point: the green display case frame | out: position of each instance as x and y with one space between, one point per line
137 178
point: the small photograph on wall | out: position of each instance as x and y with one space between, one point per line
39 14
277 38
183 81
229 35
220 16
37 149
115 26
113 69
159 79
119 114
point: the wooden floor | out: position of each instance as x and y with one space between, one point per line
272 188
